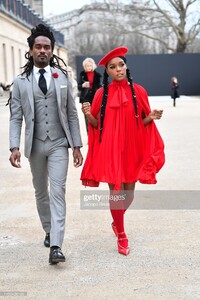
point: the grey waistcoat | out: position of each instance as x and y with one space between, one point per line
47 122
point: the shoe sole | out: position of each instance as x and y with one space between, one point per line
124 252
56 261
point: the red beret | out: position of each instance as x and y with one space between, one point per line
120 51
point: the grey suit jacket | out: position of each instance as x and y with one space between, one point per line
22 106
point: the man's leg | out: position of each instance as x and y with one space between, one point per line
57 170
38 164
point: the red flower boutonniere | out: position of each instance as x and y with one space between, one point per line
55 75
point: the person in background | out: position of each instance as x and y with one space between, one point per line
174 89
4 87
73 81
89 82
42 97
1 90
124 145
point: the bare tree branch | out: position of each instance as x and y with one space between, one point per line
175 15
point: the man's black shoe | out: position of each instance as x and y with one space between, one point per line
47 240
56 256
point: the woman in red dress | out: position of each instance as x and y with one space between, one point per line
124 145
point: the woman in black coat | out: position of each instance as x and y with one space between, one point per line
174 90
89 82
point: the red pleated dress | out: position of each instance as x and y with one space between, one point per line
129 151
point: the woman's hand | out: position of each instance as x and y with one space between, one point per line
86 108
86 84
156 114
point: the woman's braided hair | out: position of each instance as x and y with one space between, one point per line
40 30
104 101
105 96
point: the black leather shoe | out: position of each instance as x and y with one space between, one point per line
56 256
47 240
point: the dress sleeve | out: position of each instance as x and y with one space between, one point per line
93 137
153 156
142 98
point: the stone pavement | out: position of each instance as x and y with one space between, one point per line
164 262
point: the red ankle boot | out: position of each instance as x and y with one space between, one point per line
122 243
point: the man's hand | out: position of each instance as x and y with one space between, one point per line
78 158
15 158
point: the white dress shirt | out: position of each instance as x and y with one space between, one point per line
47 74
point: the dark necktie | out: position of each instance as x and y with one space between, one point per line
42 81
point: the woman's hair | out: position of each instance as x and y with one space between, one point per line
89 60
105 96
174 79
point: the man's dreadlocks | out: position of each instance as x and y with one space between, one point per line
40 30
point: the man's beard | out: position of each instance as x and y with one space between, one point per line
42 63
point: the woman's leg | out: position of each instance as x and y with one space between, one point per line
125 199
117 209
119 203
129 189
117 212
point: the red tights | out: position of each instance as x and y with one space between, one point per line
118 205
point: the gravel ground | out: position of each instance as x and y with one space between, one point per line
164 260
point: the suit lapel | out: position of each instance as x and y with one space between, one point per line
29 88
57 86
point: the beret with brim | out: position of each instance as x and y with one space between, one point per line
120 51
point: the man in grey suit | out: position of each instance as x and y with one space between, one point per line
42 95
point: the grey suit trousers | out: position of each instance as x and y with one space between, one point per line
49 165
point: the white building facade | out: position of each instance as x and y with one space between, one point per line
17 19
